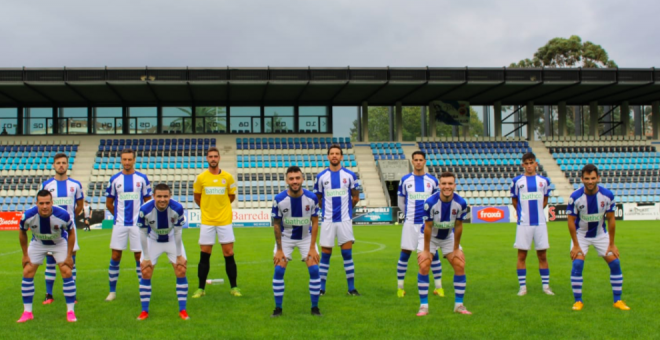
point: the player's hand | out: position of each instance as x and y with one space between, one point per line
576 251
181 261
25 261
314 255
424 256
612 251
279 257
68 262
146 264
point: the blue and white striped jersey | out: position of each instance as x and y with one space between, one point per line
47 230
444 214
296 213
415 190
530 192
129 192
65 193
590 211
161 224
336 187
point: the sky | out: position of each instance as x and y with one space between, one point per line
337 33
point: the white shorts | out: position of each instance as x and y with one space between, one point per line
446 246
410 236
288 245
343 231
526 235
207 234
601 243
37 251
156 249
121 235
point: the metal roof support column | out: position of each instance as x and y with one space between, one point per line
561 115
547 120
432 122
399 122
625 117
530 120
637 110
423 119
485 118
593 119
607 119
359 123
655 118
390 117
497 114
365 122
577 110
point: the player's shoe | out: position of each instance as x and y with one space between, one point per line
321 292
353 292
548 291
49 299
235 292
111 296
621 305
578 305
522 291
143 315
460 309
184 315
26 317
198 293
400 292
423 310
316 311
439 292
276 313
71 316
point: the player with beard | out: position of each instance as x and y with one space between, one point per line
214 191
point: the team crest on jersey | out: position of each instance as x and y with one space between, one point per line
307 208
541 185
56 227
602 204
71 189
173 219
453 211
345 181
428 185
224 181
138 184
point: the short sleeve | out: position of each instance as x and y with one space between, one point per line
79 192
140 220
69 223
180 221
232 185
21 224
436 188
547 187
318 187
402 189
612 205
146 188
197 186
315 212
110 190
514 189
355 185
275 213
464 211
428 212
570 207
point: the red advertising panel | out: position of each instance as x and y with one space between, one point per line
10 220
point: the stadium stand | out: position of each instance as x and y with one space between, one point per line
388 151
25 165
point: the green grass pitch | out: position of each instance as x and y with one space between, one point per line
377 314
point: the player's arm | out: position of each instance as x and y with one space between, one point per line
145 199
178 241
514 202
355 195
144 240
110 205
71 244
402 203
576 250
611 227
458 232
428 231
545 201
312 246
79 207
198 199
320 198
279 254
231 198
22 238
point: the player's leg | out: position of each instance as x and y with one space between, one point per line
278 277
576 273
136 248
118 243
69 286
521 271
460 280
76 247
314 278
345 239
542 244
207 235
327 241
601 244
36 252
181 287
51 274
408 244
227 239
156 250
524 238
423 277
436 269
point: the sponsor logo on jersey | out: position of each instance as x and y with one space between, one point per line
162 231
443 225
530 196
418 195
215 190
491 214
129 196
335 192
62 200
47 237
296 220
591 217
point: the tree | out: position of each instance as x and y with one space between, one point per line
571 52
214 119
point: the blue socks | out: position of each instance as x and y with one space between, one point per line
69 289
51 273
545 277
138 270
74 271
616 279
576 279
423 288
113 275
314 284
401 268
323 268
27 291
145 294
522 273
347 254
436 268
278 285
182 292
459 288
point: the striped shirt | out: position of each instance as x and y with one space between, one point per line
530 192
161 224
65 193
129 192
296 213
590 211
444 214
335 188
415 190
47 230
